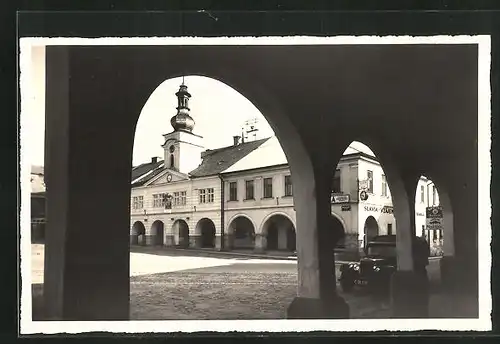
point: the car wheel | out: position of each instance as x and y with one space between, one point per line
346 285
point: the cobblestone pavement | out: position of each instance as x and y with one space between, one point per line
186 287
238 291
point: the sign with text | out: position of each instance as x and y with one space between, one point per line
384 210
340 198
434 218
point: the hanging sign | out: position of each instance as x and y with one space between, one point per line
434 218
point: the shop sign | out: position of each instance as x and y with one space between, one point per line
344 198
384 210
434 218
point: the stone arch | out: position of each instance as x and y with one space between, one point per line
370 230
339 225
180 229
279 231
241 230
205 229
138 236
157 233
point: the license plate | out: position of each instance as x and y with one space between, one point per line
360 282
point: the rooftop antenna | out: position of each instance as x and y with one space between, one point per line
252 124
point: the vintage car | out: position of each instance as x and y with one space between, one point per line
374 270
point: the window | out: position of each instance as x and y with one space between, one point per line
422 194
336 188
202 195
179 198
268 187
249 189
138 202
210 195
172 161
206 195
433 195
159 200
233 191
384 186
369 175
288 186
389 229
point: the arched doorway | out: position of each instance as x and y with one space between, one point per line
157 233
243 233
181 233
370 230
280 233
138 236
206 230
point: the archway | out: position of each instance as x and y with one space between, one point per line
370 229
180 229
157 233
242 232
280 233
206 230
338 226
138 236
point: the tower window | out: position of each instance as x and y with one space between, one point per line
172 161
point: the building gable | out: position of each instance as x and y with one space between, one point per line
167 176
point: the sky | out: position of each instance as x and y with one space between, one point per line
218 110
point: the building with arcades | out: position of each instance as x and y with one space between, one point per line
241 196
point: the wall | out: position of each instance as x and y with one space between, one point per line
259 208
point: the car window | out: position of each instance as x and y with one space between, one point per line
382 250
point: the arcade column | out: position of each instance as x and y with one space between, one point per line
88 188
316 238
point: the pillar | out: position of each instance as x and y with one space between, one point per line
260 243
195 241
218 242
169 240
88 192
409 288
317 297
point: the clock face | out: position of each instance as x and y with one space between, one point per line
169 177
172 148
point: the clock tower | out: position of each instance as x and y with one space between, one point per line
182 147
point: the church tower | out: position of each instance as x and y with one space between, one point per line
182 147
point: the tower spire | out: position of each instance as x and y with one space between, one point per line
182 120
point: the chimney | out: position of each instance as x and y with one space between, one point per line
154 160
236 139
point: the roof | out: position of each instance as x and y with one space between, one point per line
268 154
219 160
144 172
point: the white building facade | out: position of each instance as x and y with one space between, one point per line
241 196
